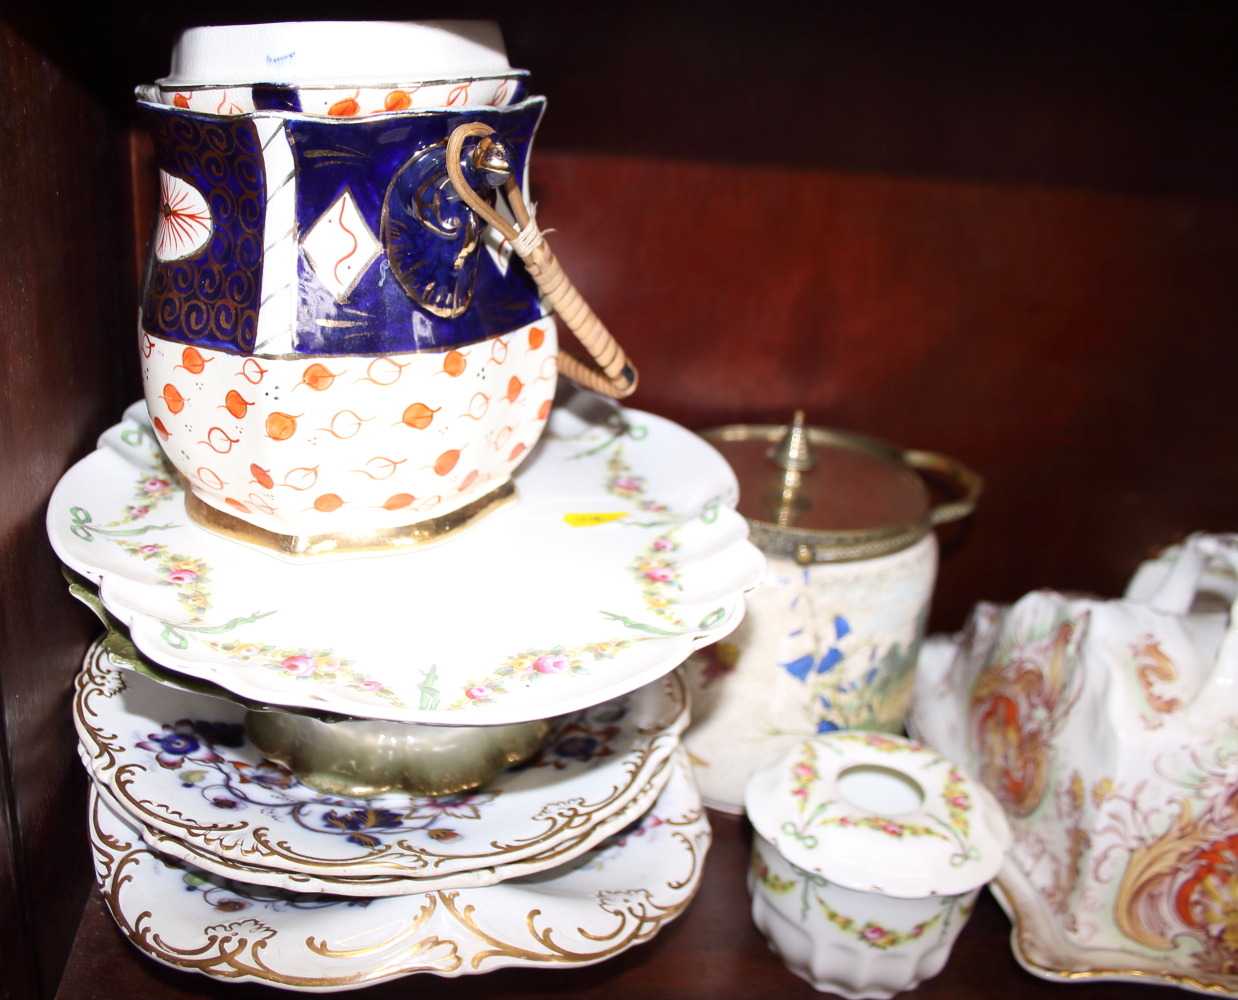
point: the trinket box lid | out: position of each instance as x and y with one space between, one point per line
337 52
879 813
818 495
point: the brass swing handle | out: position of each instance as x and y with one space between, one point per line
617 376
968 482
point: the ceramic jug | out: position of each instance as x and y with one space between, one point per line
339 354
1108 730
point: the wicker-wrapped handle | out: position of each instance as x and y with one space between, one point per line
617 377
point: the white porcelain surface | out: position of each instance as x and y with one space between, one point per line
1108 730
180 763
578 914
621 556
869 853
823 647
879 813
337 52
855 944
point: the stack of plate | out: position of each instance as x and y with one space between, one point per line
575 605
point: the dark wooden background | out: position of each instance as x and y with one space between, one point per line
1006 232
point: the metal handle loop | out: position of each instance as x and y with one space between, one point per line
969 482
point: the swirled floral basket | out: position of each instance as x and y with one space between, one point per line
1108 730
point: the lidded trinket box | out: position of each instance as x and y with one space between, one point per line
868 855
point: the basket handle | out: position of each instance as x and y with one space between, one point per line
1177 591
615 375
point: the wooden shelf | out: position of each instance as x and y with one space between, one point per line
712 951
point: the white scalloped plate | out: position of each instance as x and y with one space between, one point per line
577 914
623 554
180 763
393 885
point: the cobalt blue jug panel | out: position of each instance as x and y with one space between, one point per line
275 99
429 286
388 257
210 294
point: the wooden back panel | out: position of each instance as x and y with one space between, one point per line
1075 348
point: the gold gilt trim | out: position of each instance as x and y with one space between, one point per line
562 819
91 682
680 836
646 915
677 690
319 355
123 778
241 871
398 539
231 868
236 950
1018 943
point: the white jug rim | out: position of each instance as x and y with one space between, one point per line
343 53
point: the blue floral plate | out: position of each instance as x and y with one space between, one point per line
597 906
181 764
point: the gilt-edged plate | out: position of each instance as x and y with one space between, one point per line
391 885
623 554
181 763
583 912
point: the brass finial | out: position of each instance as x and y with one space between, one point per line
794 455
494 160
793 451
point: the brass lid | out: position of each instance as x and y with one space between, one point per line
818 495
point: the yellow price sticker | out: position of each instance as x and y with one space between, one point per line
592 520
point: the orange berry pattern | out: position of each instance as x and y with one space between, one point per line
494 92
296 445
